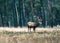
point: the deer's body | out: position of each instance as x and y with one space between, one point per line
32 25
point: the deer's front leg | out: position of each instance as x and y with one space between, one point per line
34 29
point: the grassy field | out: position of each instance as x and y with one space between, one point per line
30 37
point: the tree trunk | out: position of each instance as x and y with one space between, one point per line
43 13
14 14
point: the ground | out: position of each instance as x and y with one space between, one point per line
25 29
21 35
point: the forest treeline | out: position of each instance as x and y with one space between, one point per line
14 13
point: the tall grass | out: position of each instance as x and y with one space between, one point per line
30 37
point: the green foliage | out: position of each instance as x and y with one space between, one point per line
19 12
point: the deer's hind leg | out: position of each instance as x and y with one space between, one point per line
29 29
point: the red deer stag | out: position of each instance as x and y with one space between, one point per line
34 24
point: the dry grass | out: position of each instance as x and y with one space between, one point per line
21 35
30 37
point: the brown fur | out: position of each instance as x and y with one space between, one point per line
32 25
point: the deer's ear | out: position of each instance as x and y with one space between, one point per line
40 23
34 16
